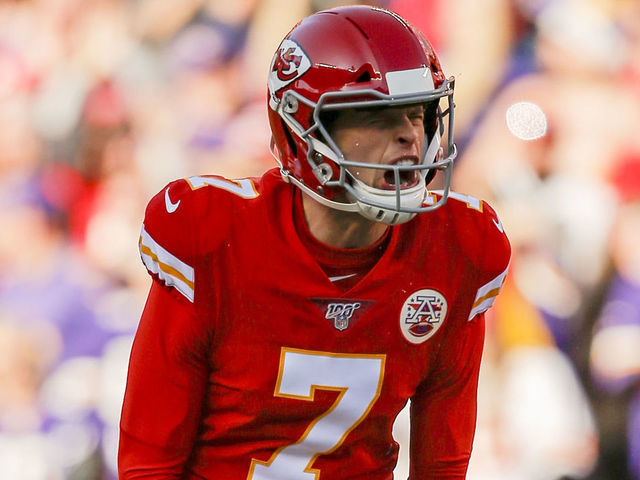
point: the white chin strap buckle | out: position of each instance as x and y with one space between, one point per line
382 215
367 197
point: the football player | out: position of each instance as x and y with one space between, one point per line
291 317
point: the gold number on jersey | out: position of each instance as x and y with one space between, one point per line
243 188
358 378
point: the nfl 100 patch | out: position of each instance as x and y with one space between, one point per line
342 312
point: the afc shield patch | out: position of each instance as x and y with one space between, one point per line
289 63
422 315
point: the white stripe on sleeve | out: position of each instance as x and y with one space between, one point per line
487 295
169 268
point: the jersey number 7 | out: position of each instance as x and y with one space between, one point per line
358 378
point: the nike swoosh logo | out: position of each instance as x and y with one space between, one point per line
171 207
341 277
498 224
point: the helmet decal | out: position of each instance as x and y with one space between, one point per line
409 81
289 63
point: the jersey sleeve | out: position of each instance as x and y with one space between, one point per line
167 244
493 263
168 367
443 409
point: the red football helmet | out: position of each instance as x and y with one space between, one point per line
357 57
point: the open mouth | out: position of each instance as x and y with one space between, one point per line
406 178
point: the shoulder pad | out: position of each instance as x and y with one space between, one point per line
494 261
164 245
185 220
482 237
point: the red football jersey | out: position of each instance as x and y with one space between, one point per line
249 363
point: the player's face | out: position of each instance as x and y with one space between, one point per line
381 136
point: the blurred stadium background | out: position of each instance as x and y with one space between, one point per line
102 102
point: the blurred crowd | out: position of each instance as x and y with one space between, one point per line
102 102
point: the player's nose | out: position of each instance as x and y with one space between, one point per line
406 131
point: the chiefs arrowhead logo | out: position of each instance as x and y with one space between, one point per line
288 64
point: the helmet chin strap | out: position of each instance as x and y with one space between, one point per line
287 177
345 207
386 200
372 203
389 216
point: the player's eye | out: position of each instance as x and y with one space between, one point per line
416 116
416 112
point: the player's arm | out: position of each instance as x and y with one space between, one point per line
169 363
165 389
443 409
443 414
